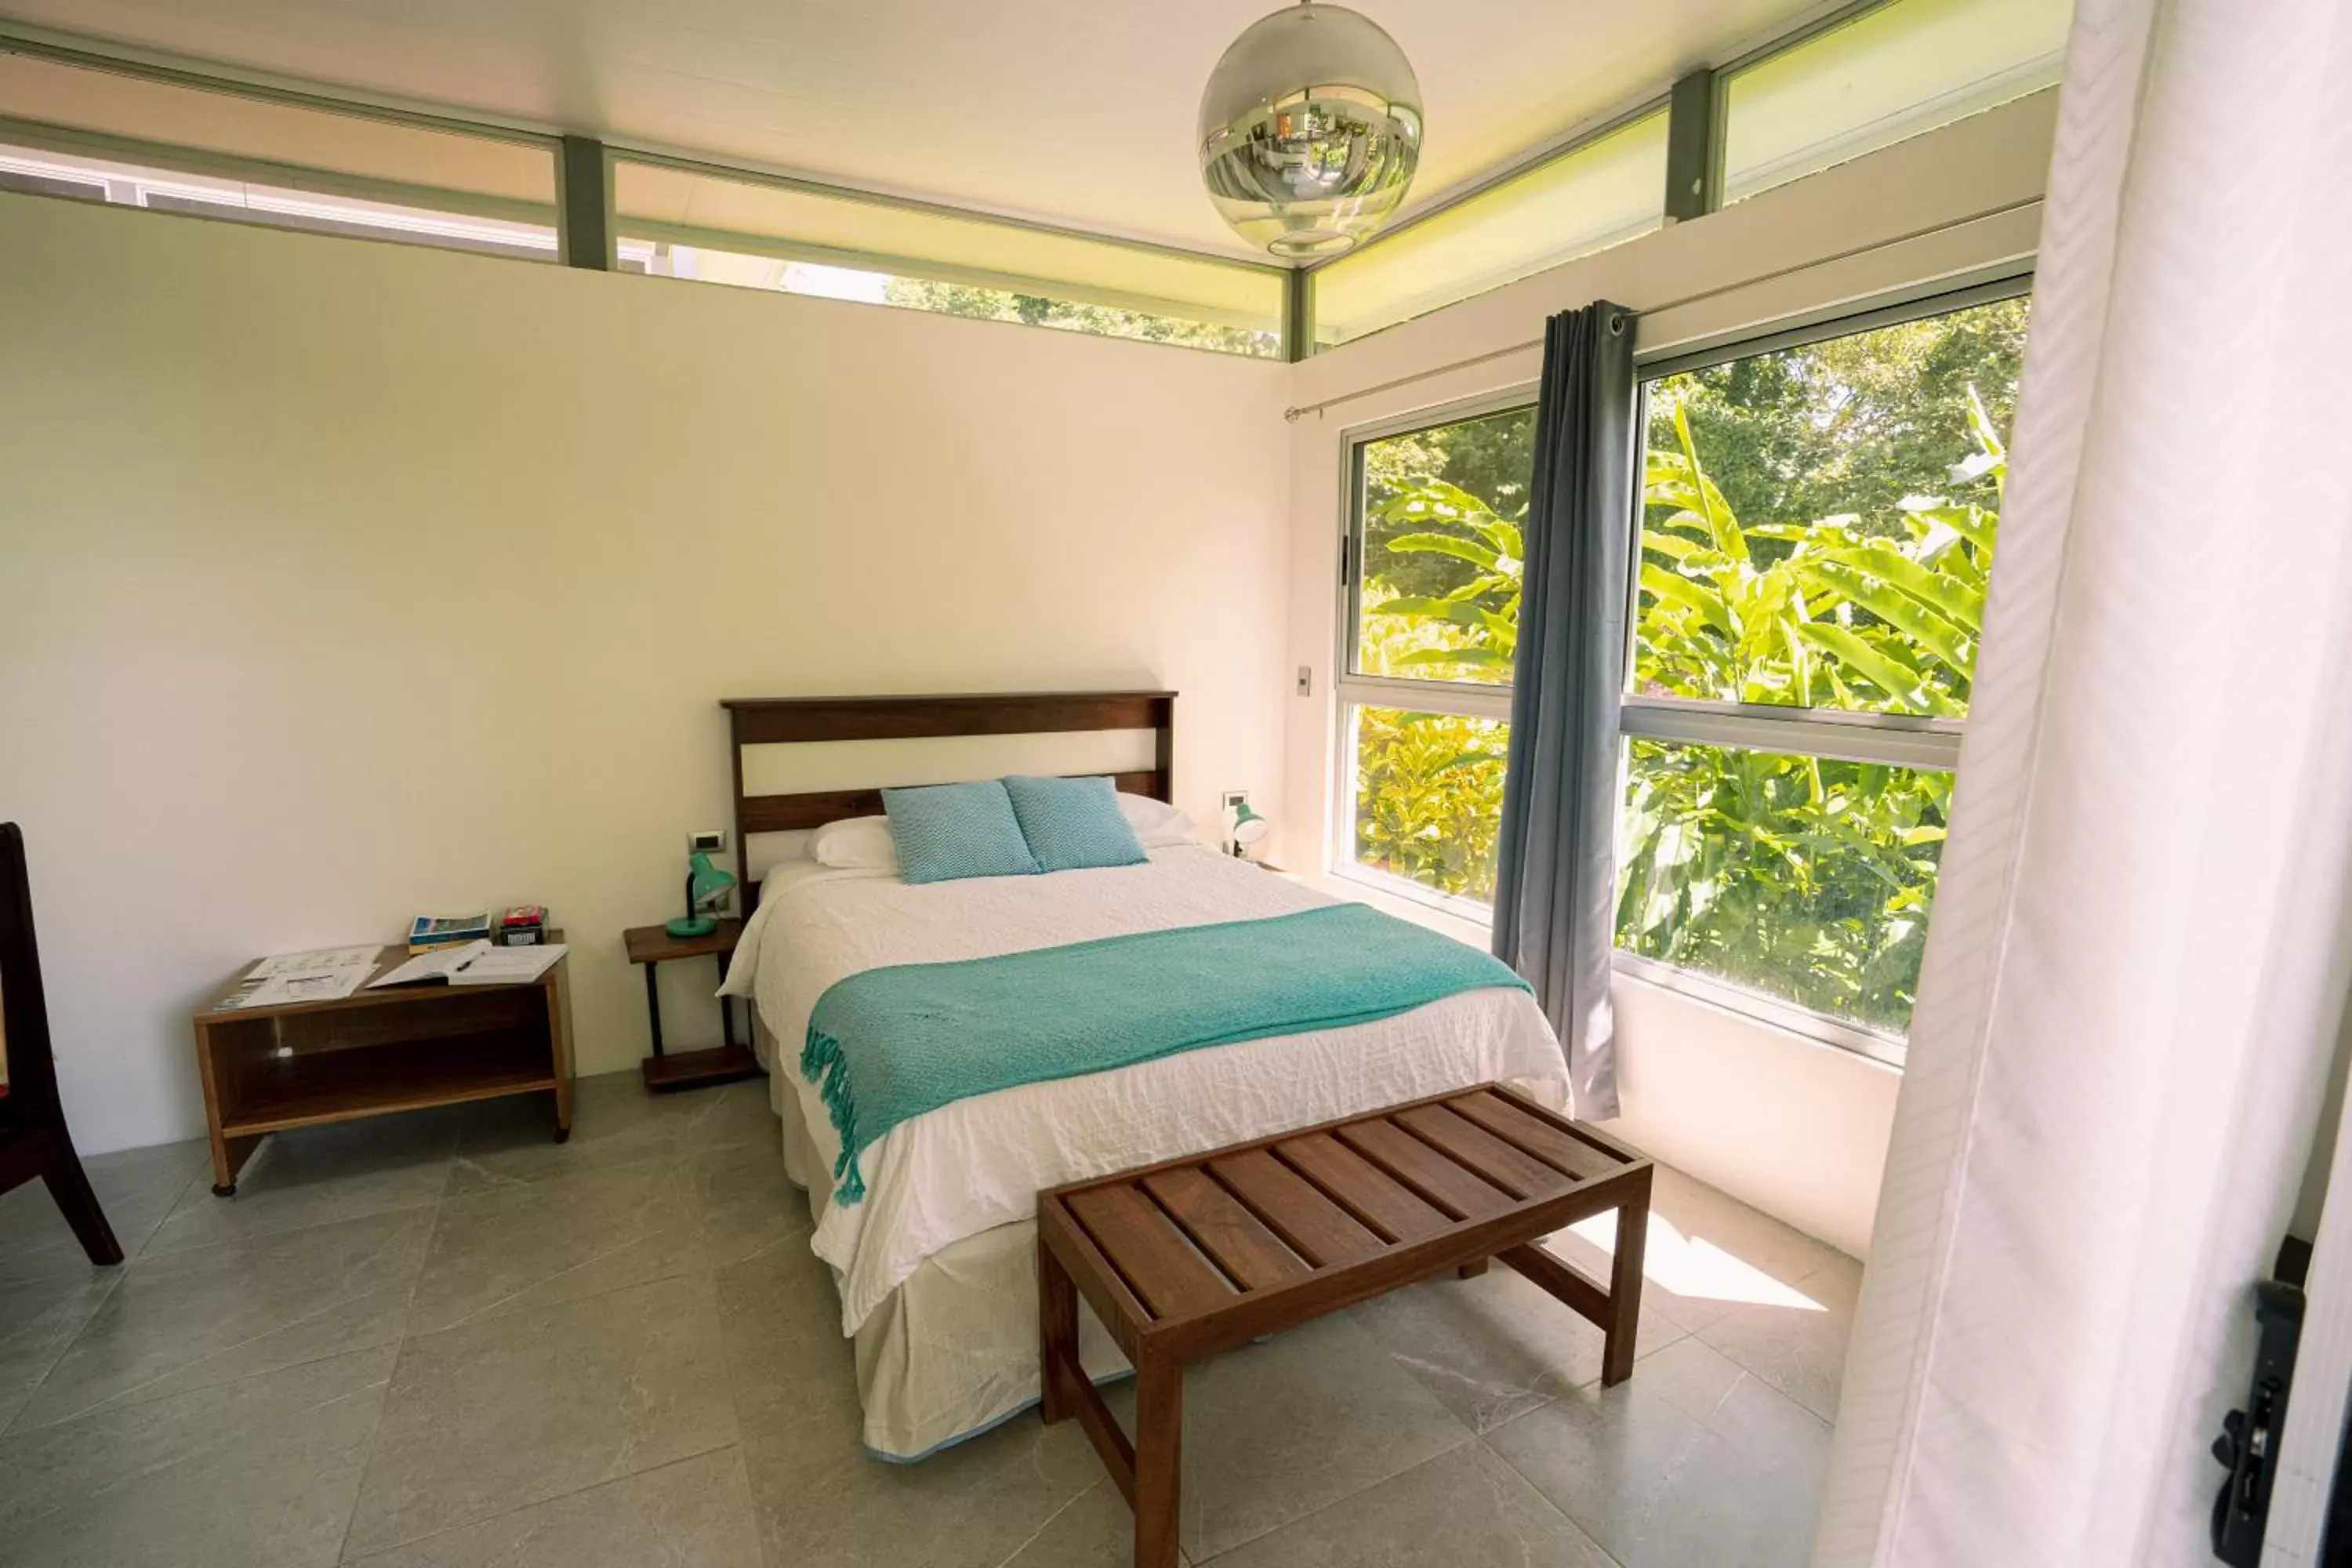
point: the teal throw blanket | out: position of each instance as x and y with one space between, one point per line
889 1044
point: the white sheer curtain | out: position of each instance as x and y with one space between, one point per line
2140 946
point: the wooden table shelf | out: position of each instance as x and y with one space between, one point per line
374 1053
335 1086
666 1070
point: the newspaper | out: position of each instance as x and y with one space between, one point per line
316 974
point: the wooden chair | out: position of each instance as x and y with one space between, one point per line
33 1137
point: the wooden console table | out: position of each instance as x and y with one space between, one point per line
374 1052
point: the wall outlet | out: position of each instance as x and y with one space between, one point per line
1306 680
707 841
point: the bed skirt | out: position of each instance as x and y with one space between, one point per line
953 1350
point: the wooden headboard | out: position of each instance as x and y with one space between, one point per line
771 721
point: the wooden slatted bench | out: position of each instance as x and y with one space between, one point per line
1196 1256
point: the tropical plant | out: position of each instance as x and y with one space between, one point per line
1470 629
1429 786
1429 794
1811 614
1802 876
1806 877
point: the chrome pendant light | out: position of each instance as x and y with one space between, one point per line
1310 129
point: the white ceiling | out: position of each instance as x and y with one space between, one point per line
1077 112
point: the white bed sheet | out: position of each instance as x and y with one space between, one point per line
980 1163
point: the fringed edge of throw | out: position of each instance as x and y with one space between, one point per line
823 1065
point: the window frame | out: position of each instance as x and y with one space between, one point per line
1802 34
1896 739
445 212
921 269
1350 691
165 163
1582 138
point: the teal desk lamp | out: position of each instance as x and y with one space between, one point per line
706 889
1248 828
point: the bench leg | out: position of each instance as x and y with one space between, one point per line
1058 1332
1472 1269
1159 1458
1625 1289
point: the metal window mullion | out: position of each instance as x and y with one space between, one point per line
584 204
1938 296
1936 747
1694 147
1764 1007
1458 700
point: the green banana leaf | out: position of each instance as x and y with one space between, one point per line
1443 544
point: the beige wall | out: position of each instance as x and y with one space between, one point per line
1797 1129
341 581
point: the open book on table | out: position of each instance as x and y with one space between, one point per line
474 964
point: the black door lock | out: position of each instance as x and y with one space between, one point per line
2247 1445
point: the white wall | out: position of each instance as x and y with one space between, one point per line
1793 1126
341 580
1797 1129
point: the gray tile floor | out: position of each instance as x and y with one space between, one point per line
443 1342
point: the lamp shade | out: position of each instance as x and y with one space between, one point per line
1309 130
1248 825
708 883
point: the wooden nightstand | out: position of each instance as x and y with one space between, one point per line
373 1052
653 946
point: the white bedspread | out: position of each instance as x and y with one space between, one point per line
980 1163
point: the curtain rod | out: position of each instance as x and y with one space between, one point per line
1293 413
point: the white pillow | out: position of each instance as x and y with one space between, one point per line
1158 823
770 850
857 843
864 843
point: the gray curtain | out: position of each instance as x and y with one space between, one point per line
1556 877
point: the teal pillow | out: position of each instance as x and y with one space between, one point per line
1074 823
948 831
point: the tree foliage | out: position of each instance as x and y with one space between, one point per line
1818 530
1429 793
1442 512
1071 315
1851 425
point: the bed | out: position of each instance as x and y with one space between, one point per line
936 1267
